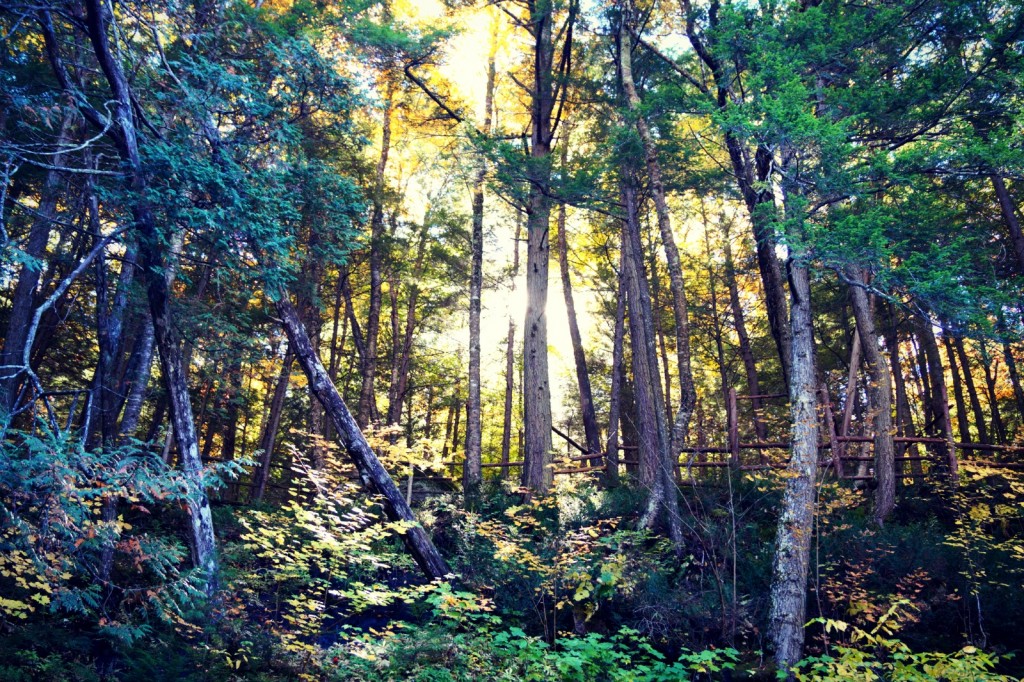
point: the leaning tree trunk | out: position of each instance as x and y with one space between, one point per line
137 379
370 469
879 399
1010 217
154 262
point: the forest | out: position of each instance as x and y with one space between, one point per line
571 340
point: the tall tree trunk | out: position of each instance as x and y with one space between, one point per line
400 370
230 436
746 354
972 391
879 399
367 397
656 463
925 384
510 381
537 456
370 469
510 364
904 417
716 323
688 394
590 428
448 431
110 330
939 397
611 457
472 473
137 379
962 421
788 612
270 428
993 398
793 540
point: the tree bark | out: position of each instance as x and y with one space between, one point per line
137 379
788 610
537 455
879 399
370 469
793 540
1010 217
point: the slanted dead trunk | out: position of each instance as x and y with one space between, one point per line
370 469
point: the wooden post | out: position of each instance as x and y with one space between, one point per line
833 437
734 428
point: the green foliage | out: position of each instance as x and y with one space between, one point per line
80 547
461 645
877 654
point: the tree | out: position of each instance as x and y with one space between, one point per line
547 94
